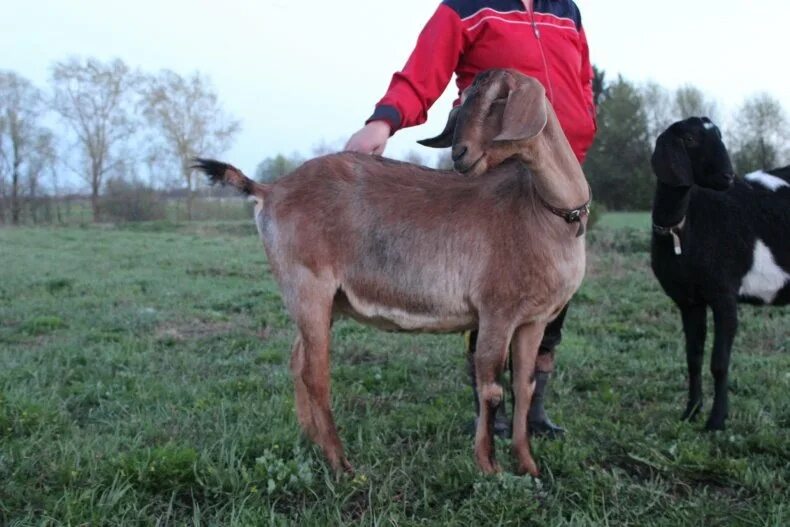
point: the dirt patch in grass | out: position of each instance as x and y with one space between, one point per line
192 330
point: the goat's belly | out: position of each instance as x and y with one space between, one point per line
766 282
449 318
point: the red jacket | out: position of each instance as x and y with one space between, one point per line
466 37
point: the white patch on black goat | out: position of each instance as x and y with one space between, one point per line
766 180
765 278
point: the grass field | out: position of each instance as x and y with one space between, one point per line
633 220
144 380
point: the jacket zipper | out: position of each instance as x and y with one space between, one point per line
528 5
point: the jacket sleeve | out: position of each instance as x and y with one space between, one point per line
426 74
587 75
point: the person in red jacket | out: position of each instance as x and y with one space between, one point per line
540 38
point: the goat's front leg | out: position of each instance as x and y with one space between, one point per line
725 323
489 358
525 351
694 328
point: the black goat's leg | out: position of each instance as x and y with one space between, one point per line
725 323
694 328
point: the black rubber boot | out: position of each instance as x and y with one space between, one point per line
539 423
502 424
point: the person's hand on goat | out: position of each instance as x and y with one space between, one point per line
370 139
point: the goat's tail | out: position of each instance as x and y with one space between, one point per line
225 174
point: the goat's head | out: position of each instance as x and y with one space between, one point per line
502 112
692 152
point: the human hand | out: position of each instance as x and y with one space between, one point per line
370 139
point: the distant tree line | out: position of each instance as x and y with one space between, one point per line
113 122
631 116
129 136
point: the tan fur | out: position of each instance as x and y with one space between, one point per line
408 248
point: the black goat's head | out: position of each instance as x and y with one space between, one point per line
501 112
692 152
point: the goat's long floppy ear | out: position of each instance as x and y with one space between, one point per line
525 113
671 162
444 139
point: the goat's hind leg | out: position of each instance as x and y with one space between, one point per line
489 359
311 370
304 412
525 351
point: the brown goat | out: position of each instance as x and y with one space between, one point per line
407 248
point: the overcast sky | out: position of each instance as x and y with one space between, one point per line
299 73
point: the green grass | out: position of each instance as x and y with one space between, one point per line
617 220
144 380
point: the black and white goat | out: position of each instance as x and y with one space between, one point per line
717 240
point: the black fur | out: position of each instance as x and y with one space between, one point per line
217 172
782 173
724 218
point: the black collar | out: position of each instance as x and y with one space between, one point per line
571 215
673 231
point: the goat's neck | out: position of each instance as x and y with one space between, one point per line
558 176
670 205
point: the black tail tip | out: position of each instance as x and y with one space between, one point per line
215 170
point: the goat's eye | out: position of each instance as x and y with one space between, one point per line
689 140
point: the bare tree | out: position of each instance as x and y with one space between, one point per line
444 160
21 108
691 102
95 98
659 109
414 157
760 134
598 85
4 169
189 120
324 147
42 159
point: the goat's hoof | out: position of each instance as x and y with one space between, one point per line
489 467
342 467
347 467
714 425
545 429
493 468
528 468
691 412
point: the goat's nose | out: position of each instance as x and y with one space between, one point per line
459 151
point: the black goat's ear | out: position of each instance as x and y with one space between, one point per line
444 139
671 162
